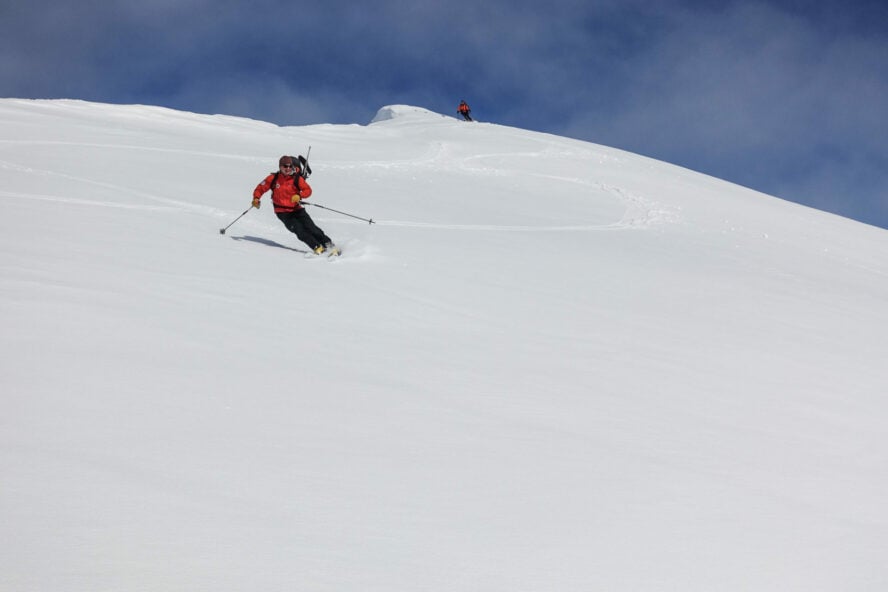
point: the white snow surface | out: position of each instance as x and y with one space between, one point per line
549 366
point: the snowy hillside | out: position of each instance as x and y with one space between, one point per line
550 366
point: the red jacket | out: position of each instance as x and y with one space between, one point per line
283 191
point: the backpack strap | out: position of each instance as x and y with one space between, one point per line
274 179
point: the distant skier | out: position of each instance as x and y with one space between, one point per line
465 111
288 187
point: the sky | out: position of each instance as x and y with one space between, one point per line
785 97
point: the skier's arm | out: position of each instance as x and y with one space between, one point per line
303 187
260 190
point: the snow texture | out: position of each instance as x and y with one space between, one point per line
551 365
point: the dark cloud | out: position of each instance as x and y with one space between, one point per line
784 96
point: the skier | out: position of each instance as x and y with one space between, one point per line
288 188
465 111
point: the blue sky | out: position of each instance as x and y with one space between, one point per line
786 97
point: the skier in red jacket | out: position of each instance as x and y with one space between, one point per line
464 110
288 188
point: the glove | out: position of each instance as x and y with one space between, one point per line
295 199
256 202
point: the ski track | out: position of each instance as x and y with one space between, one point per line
640 212
167 203
118 147
87 202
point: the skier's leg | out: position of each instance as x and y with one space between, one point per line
294 222
315 231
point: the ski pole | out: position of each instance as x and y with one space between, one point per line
222 230
337 211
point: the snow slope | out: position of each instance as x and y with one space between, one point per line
550 365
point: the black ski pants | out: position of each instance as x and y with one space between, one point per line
300 223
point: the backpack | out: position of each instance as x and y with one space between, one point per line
306 170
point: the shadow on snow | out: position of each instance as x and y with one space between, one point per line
270 243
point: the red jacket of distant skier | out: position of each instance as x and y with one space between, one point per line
285 187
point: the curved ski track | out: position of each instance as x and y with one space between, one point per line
639 213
